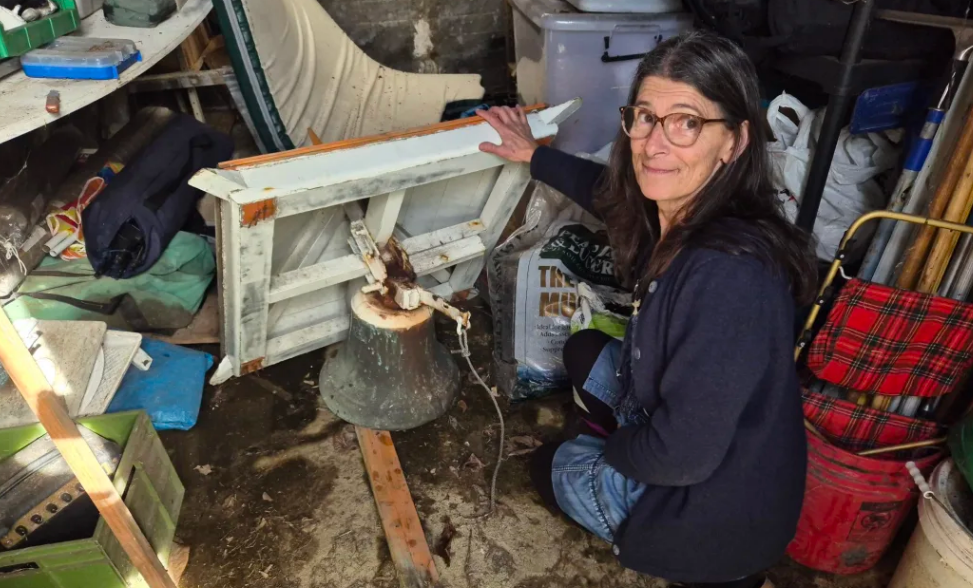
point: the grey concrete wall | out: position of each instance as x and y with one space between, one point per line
430 36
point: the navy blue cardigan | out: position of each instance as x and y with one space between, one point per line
709 359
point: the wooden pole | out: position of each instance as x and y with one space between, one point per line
28 378
959 164
957 212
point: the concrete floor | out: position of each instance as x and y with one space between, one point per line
276 494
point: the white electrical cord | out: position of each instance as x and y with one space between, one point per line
465 352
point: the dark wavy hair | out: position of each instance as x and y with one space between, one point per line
737 211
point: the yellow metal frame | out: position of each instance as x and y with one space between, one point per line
802 340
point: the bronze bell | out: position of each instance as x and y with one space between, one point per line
390 373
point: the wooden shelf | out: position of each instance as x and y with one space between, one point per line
23 98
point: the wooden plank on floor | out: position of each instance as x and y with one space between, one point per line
407 542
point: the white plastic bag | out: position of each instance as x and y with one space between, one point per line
605 309
851 189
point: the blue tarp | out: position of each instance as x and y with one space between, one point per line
170 391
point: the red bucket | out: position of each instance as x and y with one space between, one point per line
853 507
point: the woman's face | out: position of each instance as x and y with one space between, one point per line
671 175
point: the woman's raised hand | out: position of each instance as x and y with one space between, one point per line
516 141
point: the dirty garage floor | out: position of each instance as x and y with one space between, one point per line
276 494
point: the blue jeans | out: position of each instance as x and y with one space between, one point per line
587 489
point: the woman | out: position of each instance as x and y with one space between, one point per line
694 460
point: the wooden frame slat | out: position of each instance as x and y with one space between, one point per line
381 215
355 189
429 252
360 142
498 208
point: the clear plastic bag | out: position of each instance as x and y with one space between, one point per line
851 189
17 216
532 279
523 374
602 308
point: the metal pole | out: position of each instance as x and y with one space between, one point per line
839 104
964 278
913 165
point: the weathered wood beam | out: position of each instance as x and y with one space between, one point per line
403 530
180 80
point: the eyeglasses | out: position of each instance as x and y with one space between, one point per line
680 128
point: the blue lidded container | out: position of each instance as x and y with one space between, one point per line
81 58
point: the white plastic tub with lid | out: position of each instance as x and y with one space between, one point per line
940 553
636 6
564 54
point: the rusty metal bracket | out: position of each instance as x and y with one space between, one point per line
364 246
406 294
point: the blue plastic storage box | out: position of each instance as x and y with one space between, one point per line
81 58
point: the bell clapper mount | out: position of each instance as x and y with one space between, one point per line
392 277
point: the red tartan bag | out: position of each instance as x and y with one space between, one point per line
882 340
857 428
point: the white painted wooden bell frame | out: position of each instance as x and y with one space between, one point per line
285 269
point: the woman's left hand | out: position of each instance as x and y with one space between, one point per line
516 140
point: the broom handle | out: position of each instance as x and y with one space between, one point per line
957 212
959 162
914 163
50 410
951 281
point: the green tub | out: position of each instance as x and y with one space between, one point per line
152 491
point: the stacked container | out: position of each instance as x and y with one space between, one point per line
17 41
81 58
940 553
149 486
563 53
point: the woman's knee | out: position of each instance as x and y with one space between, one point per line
541 468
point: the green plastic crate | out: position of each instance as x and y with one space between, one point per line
32 35
152 491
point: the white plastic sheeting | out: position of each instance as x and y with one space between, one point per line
321 80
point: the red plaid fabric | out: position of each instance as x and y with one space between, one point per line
855 428
883 340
